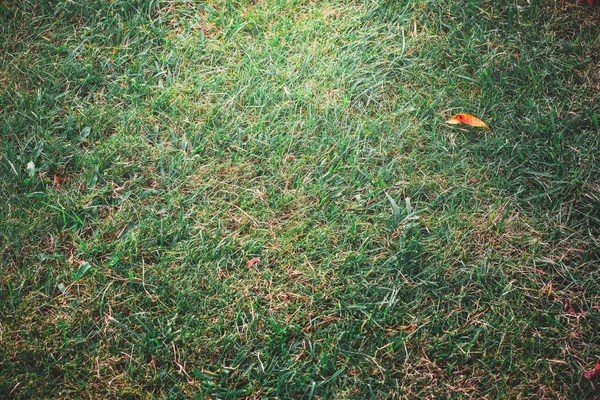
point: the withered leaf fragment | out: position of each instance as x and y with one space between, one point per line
252 262
593 373
467 119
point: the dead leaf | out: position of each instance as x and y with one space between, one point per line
569 308
467 119
408 328
252 262
58 180
593 373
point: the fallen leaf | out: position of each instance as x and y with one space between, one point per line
569 308
62 288
58 180
31 169
593 373
467 119
408 328
539 271
252 262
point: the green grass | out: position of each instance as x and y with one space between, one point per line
400 256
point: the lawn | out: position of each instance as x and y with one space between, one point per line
262 199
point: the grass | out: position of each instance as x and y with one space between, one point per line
150 149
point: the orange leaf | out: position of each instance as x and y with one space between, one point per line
58 180
593 373
408 328
467 119
252 262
